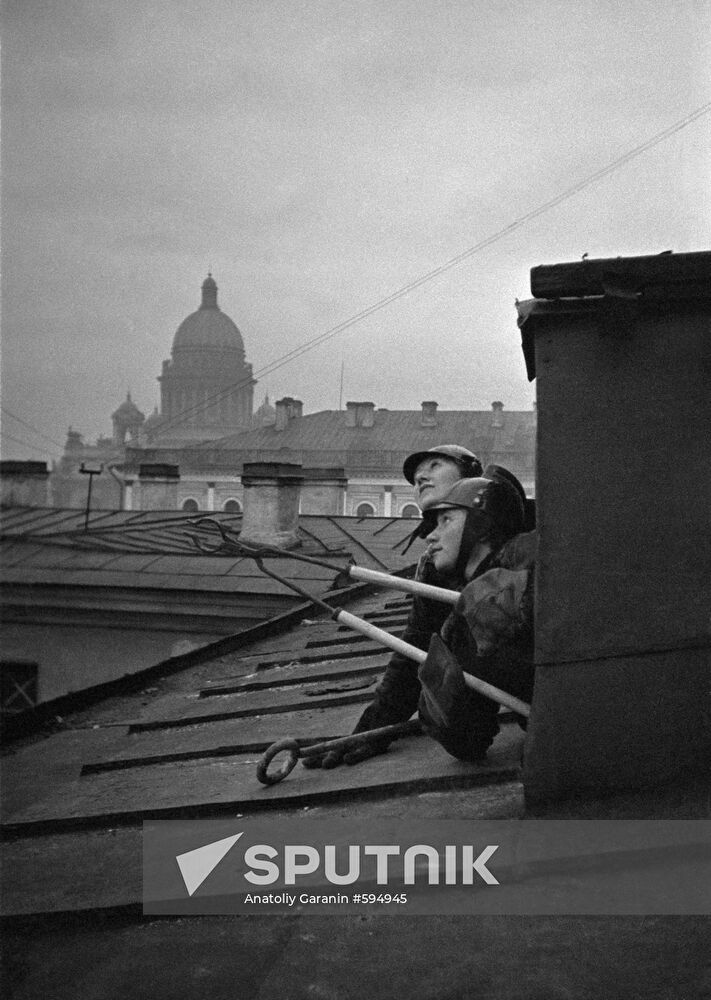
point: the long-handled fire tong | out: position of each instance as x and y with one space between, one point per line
345 743
231 544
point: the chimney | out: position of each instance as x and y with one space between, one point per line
283 412
429 414
296 409
272 491
24 484
158 487
324 491
360 414
74 442
497 414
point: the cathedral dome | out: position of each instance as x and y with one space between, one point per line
208 328
128 412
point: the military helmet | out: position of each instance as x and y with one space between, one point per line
494 506
465 459
499 472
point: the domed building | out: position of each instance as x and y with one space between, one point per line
189 453
206 385
127 420
206 393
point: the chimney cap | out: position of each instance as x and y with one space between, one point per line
158 470
13 467
272 470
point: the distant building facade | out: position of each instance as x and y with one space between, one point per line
206 386
23 484
352 459
206 392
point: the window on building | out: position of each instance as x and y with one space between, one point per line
190 505
233 507
410 510
365 510
18 687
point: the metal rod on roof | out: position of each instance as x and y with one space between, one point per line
399 645
90 472
352 742
355 572
390 642
406 586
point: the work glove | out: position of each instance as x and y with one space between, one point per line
463 722
374 717
355 756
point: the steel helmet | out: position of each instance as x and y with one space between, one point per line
465 459
499 472
494 512
529 509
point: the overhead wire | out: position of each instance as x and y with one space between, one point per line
25 444
29 426
399 293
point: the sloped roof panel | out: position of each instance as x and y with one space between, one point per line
393 432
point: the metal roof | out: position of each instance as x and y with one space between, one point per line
394 433
153 549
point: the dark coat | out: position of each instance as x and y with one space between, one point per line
510 667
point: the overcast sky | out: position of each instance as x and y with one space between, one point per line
317 155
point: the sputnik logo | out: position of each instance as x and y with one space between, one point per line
195 866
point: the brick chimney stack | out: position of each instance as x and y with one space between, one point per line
287 409
429 414
24 484
360 414
497 414
158 486
282 413
272 491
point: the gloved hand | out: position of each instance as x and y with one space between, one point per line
356 755
463 722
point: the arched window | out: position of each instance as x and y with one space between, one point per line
365 510
190 505
410 510
233 507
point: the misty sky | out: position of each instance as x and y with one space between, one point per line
317 155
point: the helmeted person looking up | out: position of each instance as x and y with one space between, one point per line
432 473
479 546
435 471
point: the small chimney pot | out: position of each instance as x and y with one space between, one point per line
429 413
497 415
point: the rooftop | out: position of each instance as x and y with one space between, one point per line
154 549
187 746
394 432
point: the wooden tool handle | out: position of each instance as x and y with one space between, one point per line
419 656
406 586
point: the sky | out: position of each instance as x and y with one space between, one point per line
317 156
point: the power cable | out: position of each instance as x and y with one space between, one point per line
569 192
25 444
30 427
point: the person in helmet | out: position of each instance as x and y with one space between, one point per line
432 473
478 544
398 693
